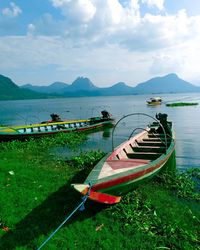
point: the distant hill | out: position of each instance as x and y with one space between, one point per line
54 88
167 84
10 91
80 87
119 88
83 86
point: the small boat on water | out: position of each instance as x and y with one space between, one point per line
154 101
54 126
137 159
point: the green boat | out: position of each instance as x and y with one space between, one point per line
134 161
54 126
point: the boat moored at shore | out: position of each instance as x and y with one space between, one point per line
54 126
135 160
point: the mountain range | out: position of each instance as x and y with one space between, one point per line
10 91
82 86
170 83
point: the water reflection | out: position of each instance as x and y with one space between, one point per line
106 133
98 140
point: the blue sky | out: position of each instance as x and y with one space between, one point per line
43 41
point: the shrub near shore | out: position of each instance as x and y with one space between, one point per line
36 196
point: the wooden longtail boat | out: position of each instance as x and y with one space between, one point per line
137 159
154 101
53 126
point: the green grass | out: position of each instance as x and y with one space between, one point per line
36 196
180 104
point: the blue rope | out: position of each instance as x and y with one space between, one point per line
80 207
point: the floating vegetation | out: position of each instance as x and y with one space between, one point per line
180 104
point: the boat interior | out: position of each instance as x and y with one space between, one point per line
148 147
52 127
136 152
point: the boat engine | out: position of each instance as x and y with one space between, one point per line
105 114
55 118
163 120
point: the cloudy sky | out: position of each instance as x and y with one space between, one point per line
43 41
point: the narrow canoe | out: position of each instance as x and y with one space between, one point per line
134 161
48 128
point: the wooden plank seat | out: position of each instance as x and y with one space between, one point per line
156 135
155 149
144 155
153 143
155 139
150 143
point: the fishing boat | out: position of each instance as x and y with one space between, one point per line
54 126
154 101
137 159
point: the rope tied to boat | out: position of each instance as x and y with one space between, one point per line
80 207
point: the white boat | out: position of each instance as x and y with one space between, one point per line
154 101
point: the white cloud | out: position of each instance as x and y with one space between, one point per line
76 10
98 22
155 3
99 25
31 29
96 36
31 53
12 11
164 63
182 59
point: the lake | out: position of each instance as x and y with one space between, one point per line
186 119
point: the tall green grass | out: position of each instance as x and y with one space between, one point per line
36 196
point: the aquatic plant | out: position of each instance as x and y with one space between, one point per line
179 104
152 213
70 139
185 184
86 160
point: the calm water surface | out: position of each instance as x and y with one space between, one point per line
186 120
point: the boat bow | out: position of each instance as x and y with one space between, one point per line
96 196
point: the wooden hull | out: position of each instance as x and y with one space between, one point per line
48 129
154 103
126 183
130 164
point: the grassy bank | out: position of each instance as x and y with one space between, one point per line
36 196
